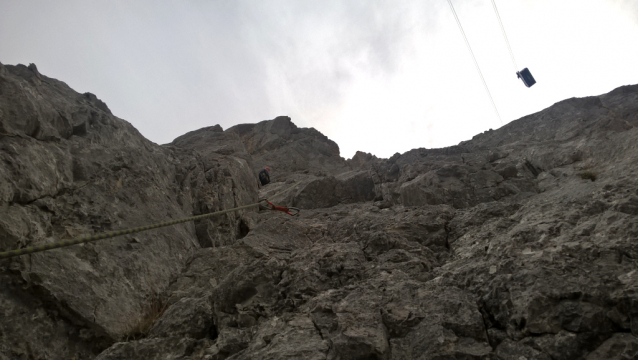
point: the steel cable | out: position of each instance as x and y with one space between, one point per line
505 36
475 62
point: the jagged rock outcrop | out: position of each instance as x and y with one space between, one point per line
285 148
70 168
519 243
302 157
515 161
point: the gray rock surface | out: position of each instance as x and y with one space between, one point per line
620 346
174 348
519 243
287 149
57 182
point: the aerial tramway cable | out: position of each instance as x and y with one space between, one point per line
475 62
505 35
524 74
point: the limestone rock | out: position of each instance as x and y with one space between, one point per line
518 243
176 348
286 148
619 346
312 192
70 168
296 338
188 317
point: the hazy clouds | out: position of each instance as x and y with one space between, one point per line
377 76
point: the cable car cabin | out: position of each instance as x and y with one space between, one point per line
527 77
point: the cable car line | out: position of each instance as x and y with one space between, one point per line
475 62
524 74
505 35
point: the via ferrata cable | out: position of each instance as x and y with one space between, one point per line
112 234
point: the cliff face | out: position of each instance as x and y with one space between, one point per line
518 243
285 147
70 168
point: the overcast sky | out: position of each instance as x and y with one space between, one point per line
376 76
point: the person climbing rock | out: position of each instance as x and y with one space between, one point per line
264 176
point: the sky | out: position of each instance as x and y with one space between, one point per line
379 76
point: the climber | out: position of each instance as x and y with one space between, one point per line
264 176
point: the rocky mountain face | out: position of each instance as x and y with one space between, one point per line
69 168
520 243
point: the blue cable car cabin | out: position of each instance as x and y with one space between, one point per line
527 77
